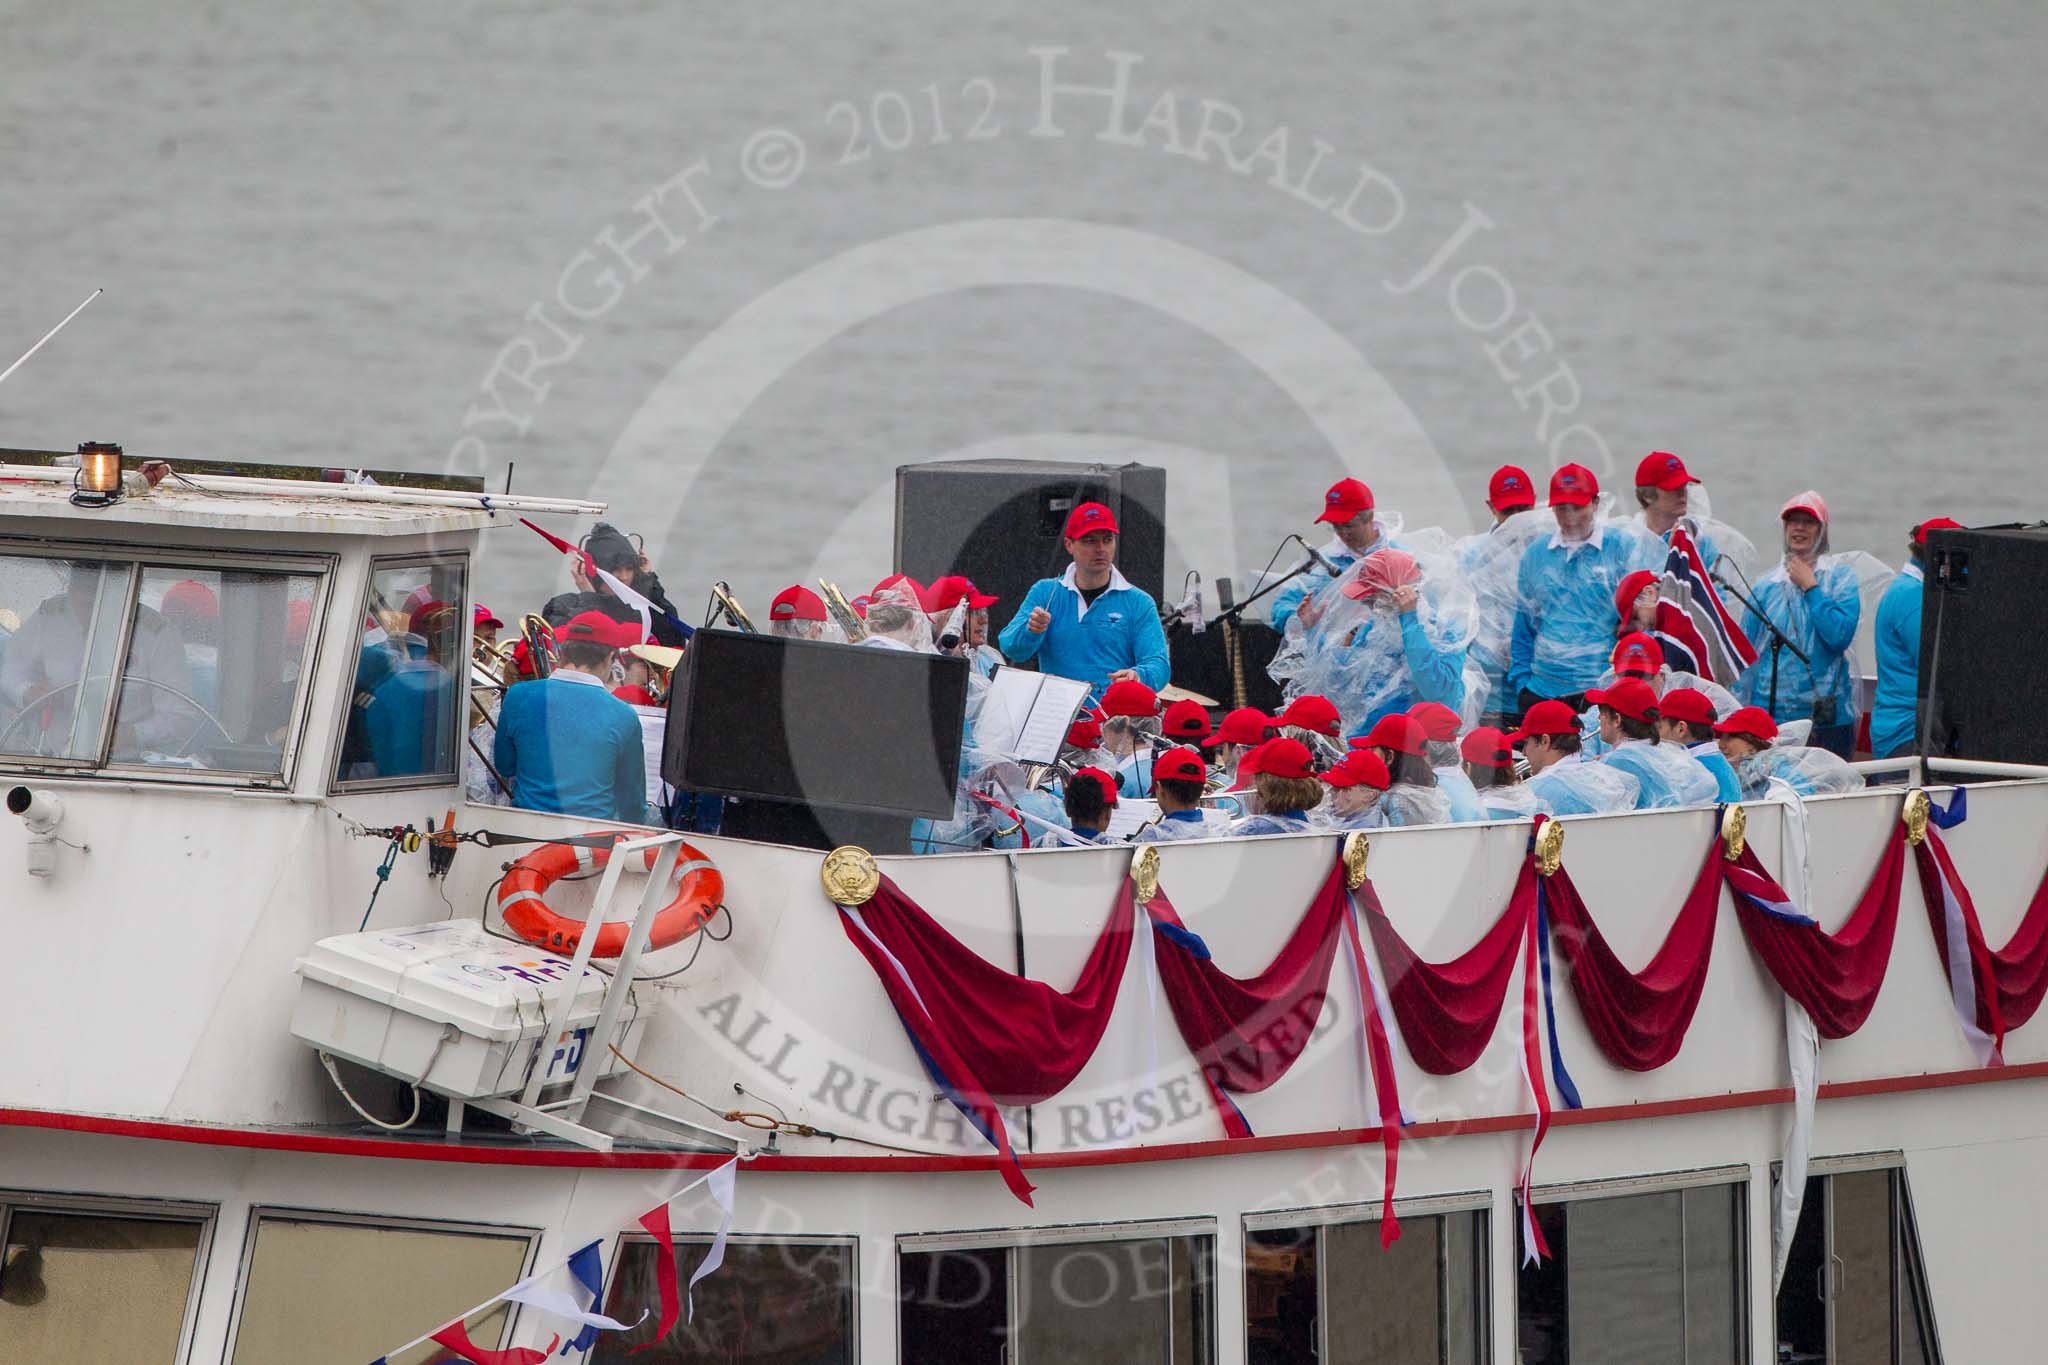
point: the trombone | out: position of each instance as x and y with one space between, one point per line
842 611
724 602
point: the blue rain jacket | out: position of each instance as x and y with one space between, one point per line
1898 662
1564 626
1822 622
1435 672
1665 774
1582 788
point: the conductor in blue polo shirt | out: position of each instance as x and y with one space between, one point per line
1090 623
565 743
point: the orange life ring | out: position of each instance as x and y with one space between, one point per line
700 890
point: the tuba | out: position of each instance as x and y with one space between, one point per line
842 611
721 593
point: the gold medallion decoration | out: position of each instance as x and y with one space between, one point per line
1356 847
1734 823
1915 816
850 875
1549 848
1145 873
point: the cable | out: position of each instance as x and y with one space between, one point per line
448 1032
753 1118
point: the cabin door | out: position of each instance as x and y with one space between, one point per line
1853 1293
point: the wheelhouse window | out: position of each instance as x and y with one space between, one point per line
139 664
97 1283
1637 1276
329 1288
1139 1295
404 715
1854 1286
1327 1290
771 1300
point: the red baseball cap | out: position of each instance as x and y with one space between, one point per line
1312 712
1632 697
945 594
1546 718
1629 589
1487 747
1286 758
1402 734
1438 722
1085 733
1636 652
1934 524
860 605
192 599
1245 725
1360 767
1809 502
1662 469
1129 697
633 694
594 627
481 617
796 603
1752 721
1345 500
902 582
1510 487
1185 719
1100 779
1248 764
1089 516
1688 704
1573 485
1383 571
1180 764
426 617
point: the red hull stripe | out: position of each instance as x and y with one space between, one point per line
284 1140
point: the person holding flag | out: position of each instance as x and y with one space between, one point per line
612 576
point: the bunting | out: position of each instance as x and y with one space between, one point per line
637 601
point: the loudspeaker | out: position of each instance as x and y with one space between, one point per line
999 522
1982 651
1202 664
831 726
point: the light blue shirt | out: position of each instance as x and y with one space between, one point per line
1464 797
1822 622
1572 786
1665 775
1090 641
1727 786
567 745
1434 672
1893 713
1564 624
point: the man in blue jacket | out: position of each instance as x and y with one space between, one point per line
1090 623
1564 618
1814 599
1893 713
565 743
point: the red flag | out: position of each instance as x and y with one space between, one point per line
655 1220
589 564
455 1337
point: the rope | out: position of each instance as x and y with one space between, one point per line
384 874
754 1118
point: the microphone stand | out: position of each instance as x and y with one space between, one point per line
1779 640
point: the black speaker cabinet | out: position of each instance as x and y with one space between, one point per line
1983 651
999 522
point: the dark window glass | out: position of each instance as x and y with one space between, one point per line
1854 1288
77 1286
786 1302
403 719
955 1306
1334 1293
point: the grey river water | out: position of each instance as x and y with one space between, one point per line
1799 246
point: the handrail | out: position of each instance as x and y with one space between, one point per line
352 492
1917 767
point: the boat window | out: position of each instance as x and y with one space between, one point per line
1854 1287
81 1285
403 717
1655 1276
213 668
60 637
1087 1302
1331 1292
352 1290
771 1300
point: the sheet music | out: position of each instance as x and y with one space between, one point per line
1025 715
1129 813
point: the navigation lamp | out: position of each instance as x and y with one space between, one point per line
99 474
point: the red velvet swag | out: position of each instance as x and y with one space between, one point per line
1639 1019
1834 977
2020 968
1022 1042
1447 1011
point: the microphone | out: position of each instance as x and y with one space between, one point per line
955 627
1316 555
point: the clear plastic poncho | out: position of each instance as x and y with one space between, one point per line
1489 562
1404 804
1666 775
1810 772
1583 788
1823 624
1370 660
1515 801
1564 630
